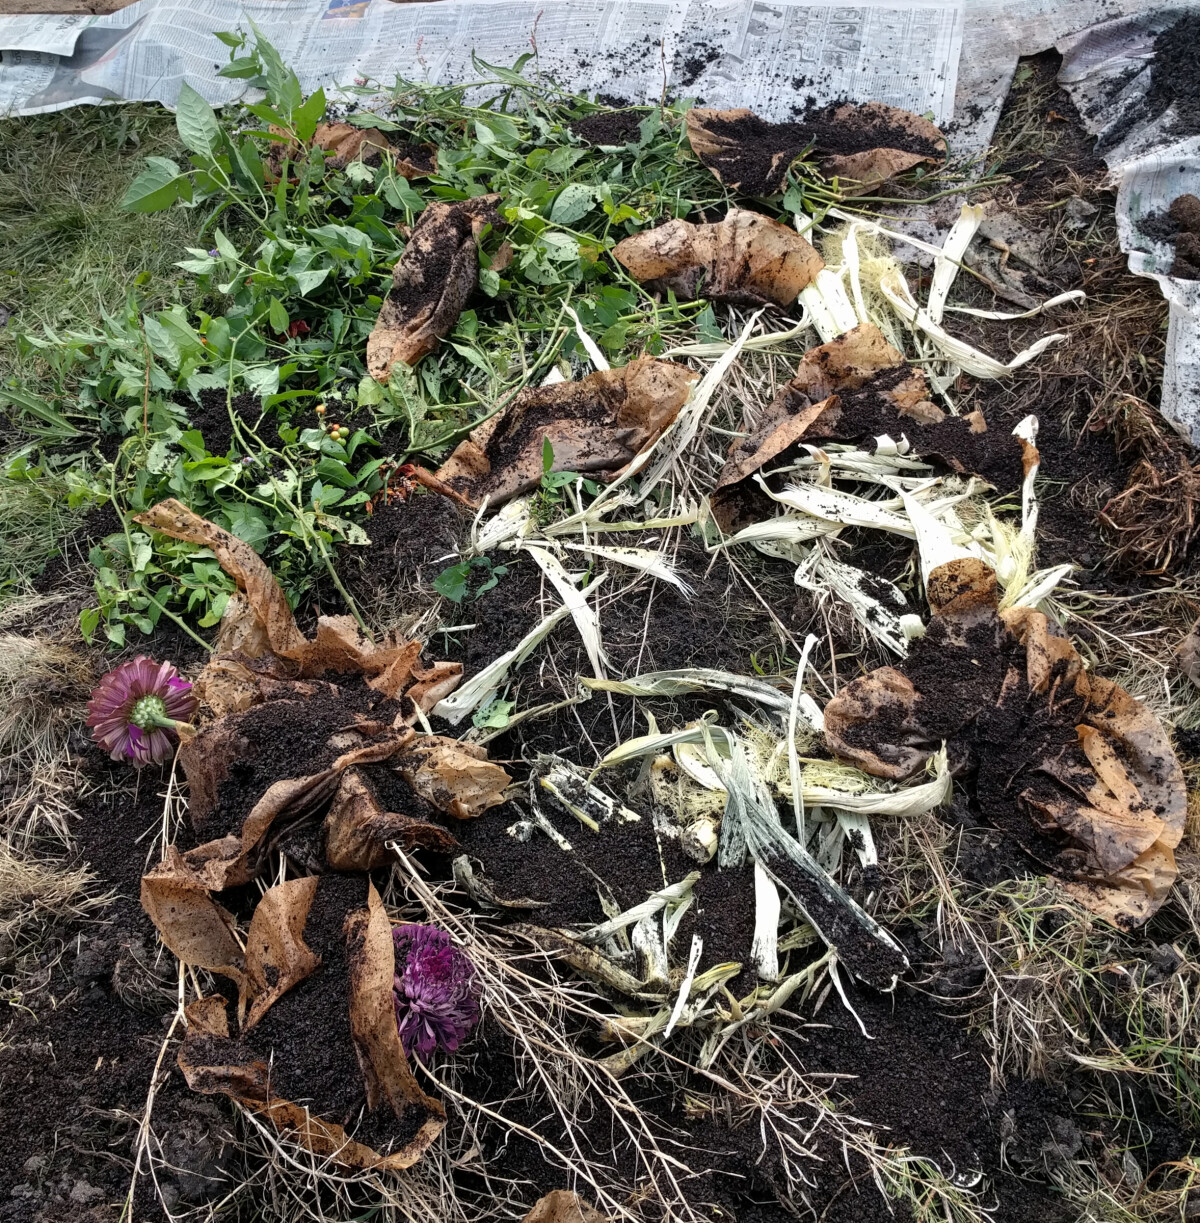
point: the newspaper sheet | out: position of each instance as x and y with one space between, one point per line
1107 46
776 56
1107 69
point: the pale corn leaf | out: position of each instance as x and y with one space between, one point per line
478 688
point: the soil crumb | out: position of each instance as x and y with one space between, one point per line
611 127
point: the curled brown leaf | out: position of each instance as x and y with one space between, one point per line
431 283
746 258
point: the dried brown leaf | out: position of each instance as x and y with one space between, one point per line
431 283
358 829
865 144
563 1206
235 859
277 957
373 1026
196 929
808 407
746 258
456 777
598 424
339 645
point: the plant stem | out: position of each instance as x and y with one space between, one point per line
166 611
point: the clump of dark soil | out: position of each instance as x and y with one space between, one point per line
951 443
692 61
761 152
1184 215
611 127
286 738
501 616
921 1070
211 417
407 537
1175 75
629 861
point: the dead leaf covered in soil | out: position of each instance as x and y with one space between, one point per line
214 1062
865 144
595 425
357 828
746 258
456 778
431 282
808 408
1079 772
563 1206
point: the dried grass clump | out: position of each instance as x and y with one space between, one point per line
36 899
43 687
1061 988
1156 517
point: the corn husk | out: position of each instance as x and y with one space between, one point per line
479 688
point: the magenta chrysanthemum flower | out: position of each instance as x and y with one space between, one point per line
437 998
136 706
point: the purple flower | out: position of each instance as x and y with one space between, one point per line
135 706
435 990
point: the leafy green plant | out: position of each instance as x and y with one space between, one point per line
454 583
549 497
282 289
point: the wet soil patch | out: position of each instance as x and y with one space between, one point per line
77 1062
501 616
921 1070
951 444
613 127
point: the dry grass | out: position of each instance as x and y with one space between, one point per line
36 898
43 687
1060 988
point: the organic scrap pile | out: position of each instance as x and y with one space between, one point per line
679 707
293 765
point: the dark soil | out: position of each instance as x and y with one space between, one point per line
95 526
289 738
612 127
1175 76
305 1037
761 152
406 538
211 417
77 1062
